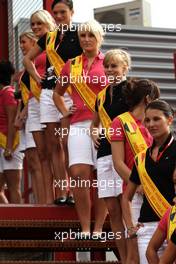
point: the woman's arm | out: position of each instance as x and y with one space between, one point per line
94 129
153 246
29 65
21 116
118 156
58 99
169 255
11 111
126 205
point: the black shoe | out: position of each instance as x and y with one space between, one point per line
60 201
70 201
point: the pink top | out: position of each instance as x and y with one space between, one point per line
95 79
163 224
40 63
6 99
119 135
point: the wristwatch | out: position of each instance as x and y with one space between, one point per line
7 152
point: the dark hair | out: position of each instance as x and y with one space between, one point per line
137 89
162 106
6 71
68 3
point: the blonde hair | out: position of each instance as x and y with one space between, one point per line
28 34
45 17
95 28
118 55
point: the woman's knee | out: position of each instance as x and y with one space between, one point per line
53 145
80 172
113 208
42 154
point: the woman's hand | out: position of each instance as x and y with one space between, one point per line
39 80
72 109
133 230
8 154
140 190
96 139
20 121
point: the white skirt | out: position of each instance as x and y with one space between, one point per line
80 146
16 163
26 138
109 182
144 234
34 116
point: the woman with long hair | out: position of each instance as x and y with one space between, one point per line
110 102
129 138
80 73
60 46
27 144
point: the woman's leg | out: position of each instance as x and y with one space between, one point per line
56 155
34 167
115 214
100 210
81 175
3 198
40 142
13 179
65 127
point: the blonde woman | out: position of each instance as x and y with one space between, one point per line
41 22
62 46
27 144
81 160
112 102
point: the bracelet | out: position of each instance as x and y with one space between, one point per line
23 118
131 233
130 228
132 236
65 116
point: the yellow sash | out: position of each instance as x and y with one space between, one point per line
88 96
104 117
3 140
171 222
156 200
53 57
133 133
35 89
24 92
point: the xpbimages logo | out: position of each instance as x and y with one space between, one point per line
81 183
72 235
85 77
75 131
74 27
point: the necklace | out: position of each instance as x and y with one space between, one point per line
156 154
